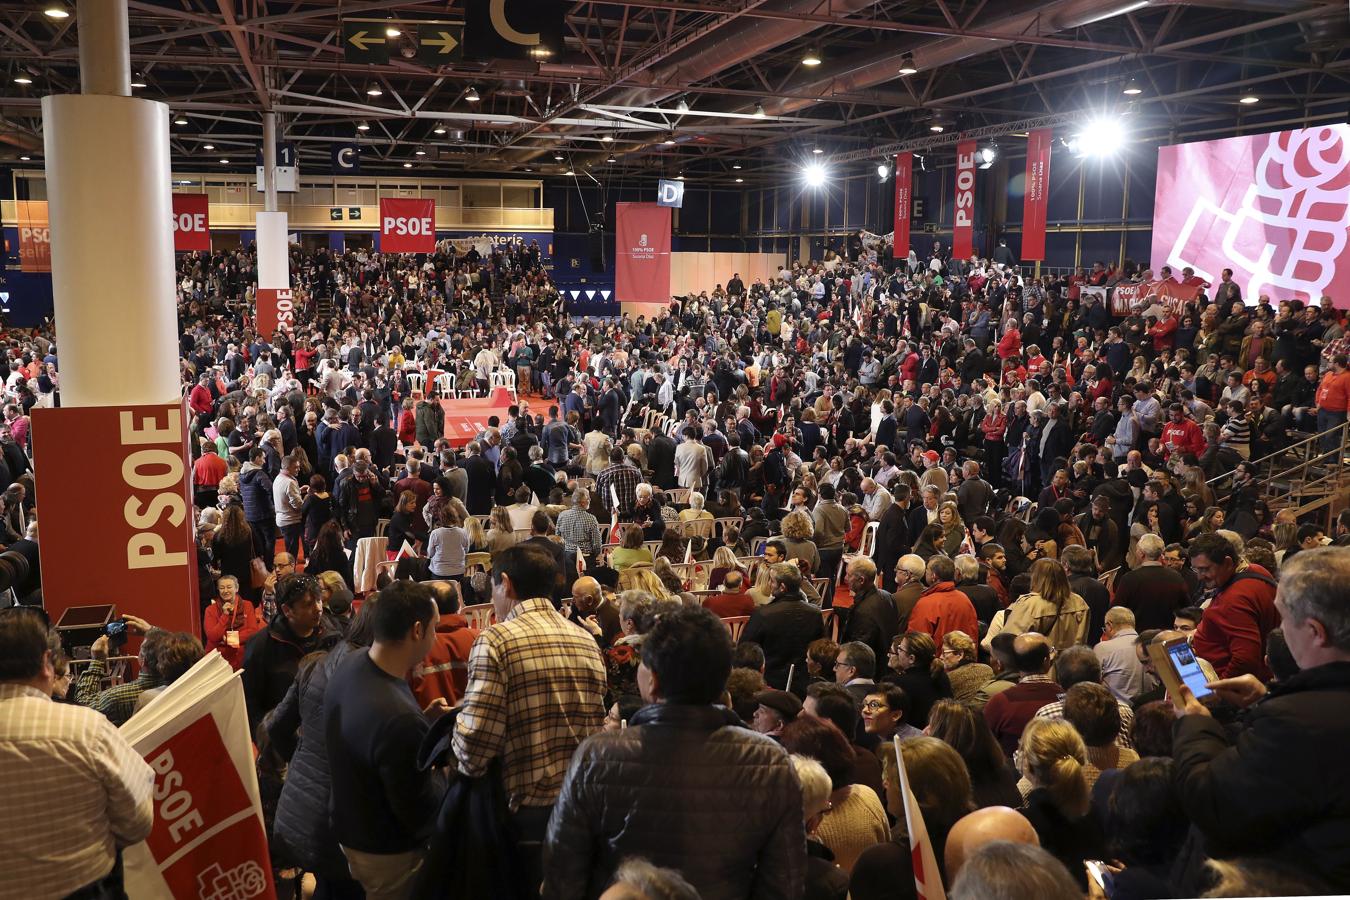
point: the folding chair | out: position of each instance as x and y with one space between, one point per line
735 625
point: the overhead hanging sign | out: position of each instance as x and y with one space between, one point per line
514 29
670 193
642 252
963 222
904 198
288 169
1037 197
439 43
407 225
191 229
346 159
364 42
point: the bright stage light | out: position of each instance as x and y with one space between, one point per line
1102 137
883 171
814 174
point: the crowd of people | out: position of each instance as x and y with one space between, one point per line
741 562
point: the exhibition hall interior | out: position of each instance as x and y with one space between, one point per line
674 449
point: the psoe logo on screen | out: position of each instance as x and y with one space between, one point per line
642 249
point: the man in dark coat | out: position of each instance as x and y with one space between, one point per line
1056 440
873 620
1268 792
661 459
272 656
482 481
784 626
680 767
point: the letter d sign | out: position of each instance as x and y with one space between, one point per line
670 193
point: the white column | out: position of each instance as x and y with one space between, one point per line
105 50
110 206
273 256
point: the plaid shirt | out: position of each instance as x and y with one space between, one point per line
580 531
536 691
1055 711
624 478
117 702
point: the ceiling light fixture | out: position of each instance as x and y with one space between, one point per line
137 80
407 165
759 110
420 152
670 140
570 171
611 158
180 119
735 165
364 126
208 146
56 11
817 150
224 162
607 138
883 171
907 66
1249 99
557 156
25 158
392 30
374 90
471 94
22 79
682 106
439 129
1132 88
740 180
986 155
812 57
815 175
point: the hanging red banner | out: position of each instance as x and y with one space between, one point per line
642 253
904 196
35 236
275 311
407 225
190 223
963 223
1036 198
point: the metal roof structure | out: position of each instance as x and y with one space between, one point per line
692 85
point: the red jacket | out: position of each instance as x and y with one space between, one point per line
725 606
1010 344
445 671
1333 394
1232 633
208 470
1164 334
407 427
199 399
1187 435
942 608
1008 712
243 619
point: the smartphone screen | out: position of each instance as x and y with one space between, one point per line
1188 669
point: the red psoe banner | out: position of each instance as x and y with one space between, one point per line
191 229
642 253
35 236
904 197
1036 198
275 311
407 225
963 222
138 491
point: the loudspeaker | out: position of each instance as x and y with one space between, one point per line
598 246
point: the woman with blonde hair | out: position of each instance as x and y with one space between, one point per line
478 539
953 529
798 531
1052 759
723 561
501 535
1051 609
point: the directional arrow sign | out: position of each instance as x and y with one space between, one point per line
438 44
364 42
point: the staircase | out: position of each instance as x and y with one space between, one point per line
1309 476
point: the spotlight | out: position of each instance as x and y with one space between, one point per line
907 66
679 177
611 158
759 110
374 90
392 29
1249 99
682 106
25 158
439 129
669 141
472 95
937 127
814 174
812 57
22 79
557 156
883 171
1102 137
224 162
1132 88
527 169
817 151
56 11
986 155
606 138
364 126
570 171
540 52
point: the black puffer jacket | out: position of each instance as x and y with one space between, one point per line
272 659
1273 791
301 833
686 787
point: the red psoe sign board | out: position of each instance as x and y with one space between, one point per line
123 532
407 225
35 236
904 196
963 222
191 230
642 253
275 311
1037 196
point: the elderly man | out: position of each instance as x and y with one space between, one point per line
942 608
1121 669
580 531
595 612
876 499
784 626
873 619
773 710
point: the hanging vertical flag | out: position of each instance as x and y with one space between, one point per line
904 194
963 222
927 878
1036 198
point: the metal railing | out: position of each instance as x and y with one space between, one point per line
1314 479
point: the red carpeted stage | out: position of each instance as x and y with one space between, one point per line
466 418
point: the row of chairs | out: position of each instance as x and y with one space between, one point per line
446 384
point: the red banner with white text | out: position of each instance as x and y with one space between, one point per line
1172 294
407 225
191 229
35 236
904 206
1036 198
275 311
642 253
136 494
963 223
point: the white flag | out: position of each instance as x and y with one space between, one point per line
927 878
